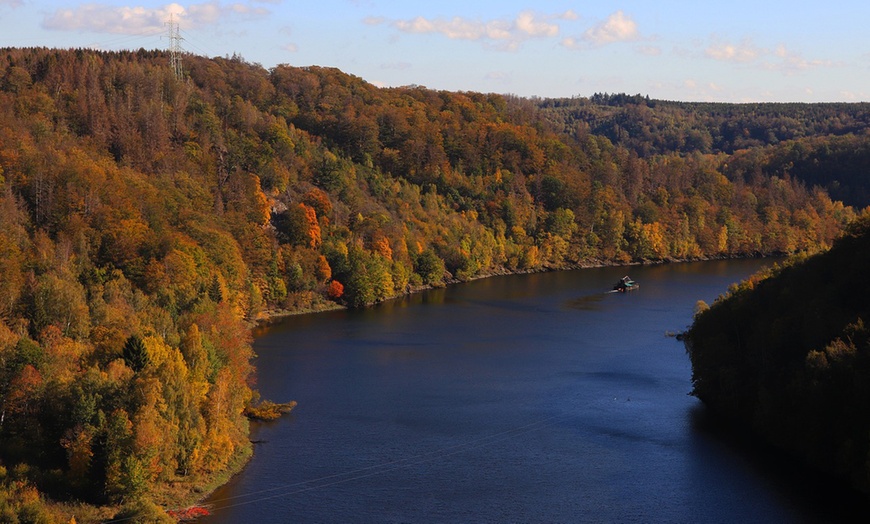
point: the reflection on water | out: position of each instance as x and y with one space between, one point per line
531 398
586 303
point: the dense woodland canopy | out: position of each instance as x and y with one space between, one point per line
146 220
787 355
820 144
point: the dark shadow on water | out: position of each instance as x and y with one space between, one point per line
821 498
586 303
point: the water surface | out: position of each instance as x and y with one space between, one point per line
527 398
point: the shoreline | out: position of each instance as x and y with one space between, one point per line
271 317
268 317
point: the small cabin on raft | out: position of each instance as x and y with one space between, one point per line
625 284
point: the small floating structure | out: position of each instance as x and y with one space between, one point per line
625 284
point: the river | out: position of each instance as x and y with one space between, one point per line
524 398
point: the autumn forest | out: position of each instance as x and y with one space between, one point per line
147 221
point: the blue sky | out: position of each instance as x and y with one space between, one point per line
692 50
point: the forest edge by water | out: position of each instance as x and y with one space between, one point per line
786 356
147 221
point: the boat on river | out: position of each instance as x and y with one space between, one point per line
625 284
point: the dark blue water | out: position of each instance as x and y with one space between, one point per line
530 398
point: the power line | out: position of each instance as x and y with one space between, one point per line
175 48
190 41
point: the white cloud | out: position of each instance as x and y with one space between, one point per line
374 20
505 34
617 28
456 28
569 15
102 18
291 47
780 59
791 62
527 23
743 52
12 3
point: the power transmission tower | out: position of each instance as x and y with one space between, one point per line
175 48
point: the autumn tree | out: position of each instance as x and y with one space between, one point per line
145 222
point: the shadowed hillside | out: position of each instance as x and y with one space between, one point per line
787 355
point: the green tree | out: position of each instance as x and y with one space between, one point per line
561 222
430 267
359 288
135 353
215 291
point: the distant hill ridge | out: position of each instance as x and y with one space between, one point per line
822 145
657 126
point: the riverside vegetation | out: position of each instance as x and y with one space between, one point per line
786 355
146 221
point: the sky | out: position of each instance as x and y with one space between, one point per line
687 50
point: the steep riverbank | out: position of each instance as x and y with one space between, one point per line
474 402
788 358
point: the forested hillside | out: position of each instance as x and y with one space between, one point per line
658 127
787 355
825 145
146 220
